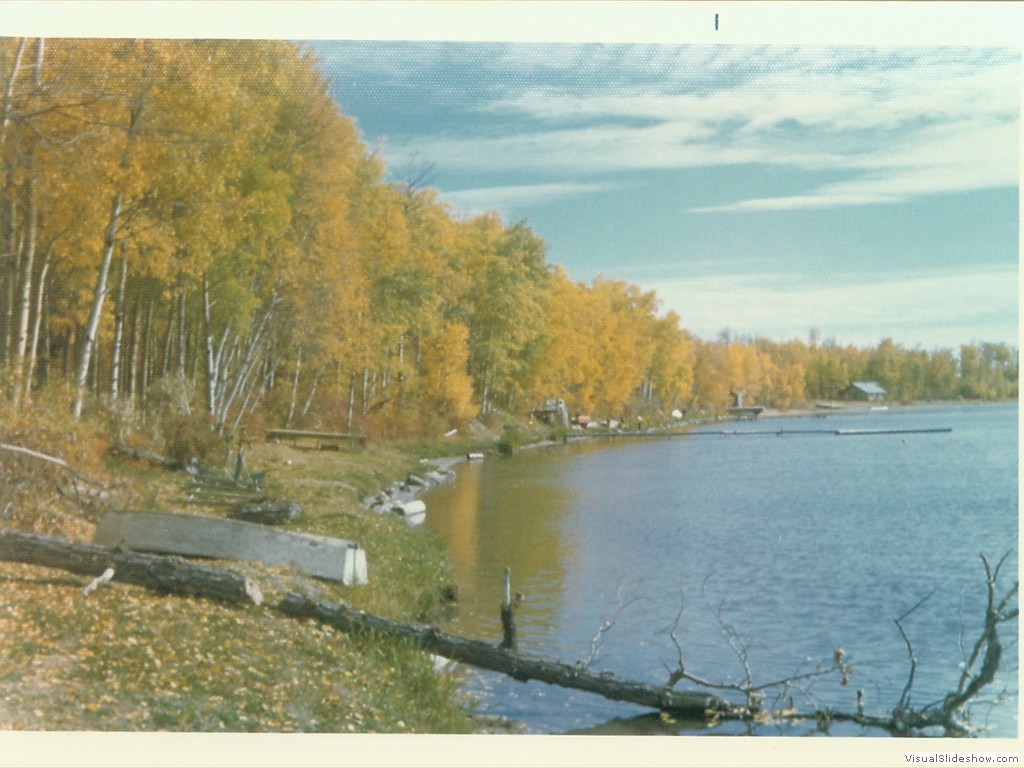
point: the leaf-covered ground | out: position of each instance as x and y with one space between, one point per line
126 659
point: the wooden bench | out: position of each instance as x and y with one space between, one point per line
325 440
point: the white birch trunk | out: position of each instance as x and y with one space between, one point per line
14 250
181 328
312 392
33 352
133 354
168 339
115 356
250 359
211 367
295 388
351 400
97 305
366 390
25 299
5 112
147 355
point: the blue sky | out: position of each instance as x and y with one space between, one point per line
867 192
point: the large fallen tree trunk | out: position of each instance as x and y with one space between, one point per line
180 577
517 666
162 574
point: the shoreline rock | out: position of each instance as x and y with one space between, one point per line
401 497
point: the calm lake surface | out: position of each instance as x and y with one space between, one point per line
803 543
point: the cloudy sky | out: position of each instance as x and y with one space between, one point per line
864 191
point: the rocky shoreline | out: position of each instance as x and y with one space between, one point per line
401 498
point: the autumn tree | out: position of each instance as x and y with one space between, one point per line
194 227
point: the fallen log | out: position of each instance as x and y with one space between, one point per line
141 454
267 512
161 574
21 450
516 665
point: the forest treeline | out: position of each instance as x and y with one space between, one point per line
196 223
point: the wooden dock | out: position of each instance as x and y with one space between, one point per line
195 536
752 433
839 432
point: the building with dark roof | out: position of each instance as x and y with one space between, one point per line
868 391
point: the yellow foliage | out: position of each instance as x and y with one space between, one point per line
448 388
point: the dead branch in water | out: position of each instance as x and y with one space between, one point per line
606 627
949 714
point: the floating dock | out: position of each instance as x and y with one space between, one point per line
840 432
757 432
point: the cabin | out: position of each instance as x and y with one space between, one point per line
866 391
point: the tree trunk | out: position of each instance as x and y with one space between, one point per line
5 111
351 400
97 305
161 574
312 393
147 355
366 390
25 300
133 352
181 328
515 665
251 356
168 340
295 387
211 367
14 254
115 358
33 352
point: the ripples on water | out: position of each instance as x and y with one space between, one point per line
801 542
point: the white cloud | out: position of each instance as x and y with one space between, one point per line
936 311
902 123
482 199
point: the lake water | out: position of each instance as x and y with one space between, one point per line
801 543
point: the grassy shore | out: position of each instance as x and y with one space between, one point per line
125 659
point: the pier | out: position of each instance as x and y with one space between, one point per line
758 432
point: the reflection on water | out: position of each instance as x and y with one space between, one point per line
805 543
654 724
518 527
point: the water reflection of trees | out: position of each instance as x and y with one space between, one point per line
516 522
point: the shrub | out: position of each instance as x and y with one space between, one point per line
510 441
187 438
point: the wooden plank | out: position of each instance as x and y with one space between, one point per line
320 556
299 434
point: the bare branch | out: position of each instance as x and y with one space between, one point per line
607 624
732 636
905 695
52 460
